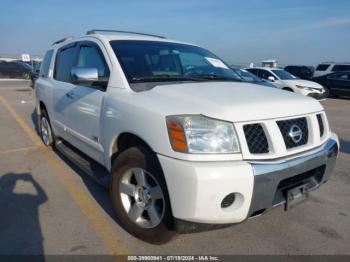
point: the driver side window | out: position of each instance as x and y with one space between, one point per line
90 56
265 74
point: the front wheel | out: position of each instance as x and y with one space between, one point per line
140 197
326 92
26 76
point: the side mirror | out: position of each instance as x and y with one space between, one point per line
84 75
271 78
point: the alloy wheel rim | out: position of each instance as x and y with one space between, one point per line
45 131
142 198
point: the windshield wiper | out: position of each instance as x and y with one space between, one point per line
164 77
215 77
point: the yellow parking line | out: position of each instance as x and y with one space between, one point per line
18 150
22 123
90 209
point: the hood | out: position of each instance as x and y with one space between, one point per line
231 101
306 83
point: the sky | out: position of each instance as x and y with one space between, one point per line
239 31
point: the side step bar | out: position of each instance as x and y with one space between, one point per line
84 162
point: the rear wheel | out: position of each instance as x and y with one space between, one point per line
45 129
140 197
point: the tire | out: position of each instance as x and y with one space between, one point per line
142 215
45 130
26 76
288 89
326 93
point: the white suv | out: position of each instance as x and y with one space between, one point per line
327 68
180 141
288 82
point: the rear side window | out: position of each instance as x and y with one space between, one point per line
322 67
337 68
45 66
66 59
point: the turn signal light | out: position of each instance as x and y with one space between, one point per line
177 136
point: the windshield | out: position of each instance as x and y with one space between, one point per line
284 75
247 76
153 61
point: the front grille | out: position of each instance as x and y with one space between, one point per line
320 124
256 139
291 129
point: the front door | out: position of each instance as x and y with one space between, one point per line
62 98
85 111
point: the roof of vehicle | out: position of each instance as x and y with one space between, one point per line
266 68
116 35
296 66
335 63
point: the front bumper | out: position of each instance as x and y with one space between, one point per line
317 96
314 93
196 189
271 179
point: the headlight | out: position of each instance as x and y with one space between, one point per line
200 134
303 87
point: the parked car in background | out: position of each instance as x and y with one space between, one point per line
335 84
34 74
302 72
326 68
14 69
178 139
251 78
286 81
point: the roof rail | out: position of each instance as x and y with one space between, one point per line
62 40
333 62
93 31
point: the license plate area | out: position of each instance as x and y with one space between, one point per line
295 196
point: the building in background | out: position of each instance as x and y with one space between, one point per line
269 63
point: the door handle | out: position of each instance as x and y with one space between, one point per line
70 95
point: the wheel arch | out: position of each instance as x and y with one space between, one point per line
288 89
40 107
124 141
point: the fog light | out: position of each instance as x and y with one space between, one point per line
228 200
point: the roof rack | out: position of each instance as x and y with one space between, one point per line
62 40
93 31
